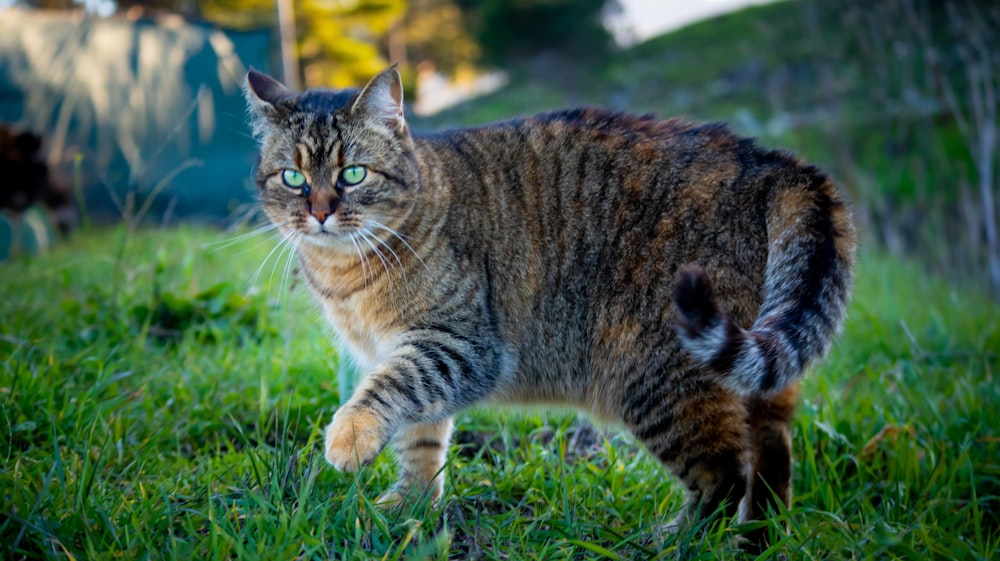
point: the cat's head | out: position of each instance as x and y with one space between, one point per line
334 164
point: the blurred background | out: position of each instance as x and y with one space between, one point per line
131 111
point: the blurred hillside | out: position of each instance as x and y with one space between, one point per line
897 99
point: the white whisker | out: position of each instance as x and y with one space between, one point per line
361 257
285 285
284 237
392 251
402 239
286 246
264 240
402 268
366 237
229 242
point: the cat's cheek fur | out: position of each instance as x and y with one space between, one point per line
353 439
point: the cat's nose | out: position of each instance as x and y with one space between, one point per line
321 207
321 214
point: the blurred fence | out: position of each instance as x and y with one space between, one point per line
143 116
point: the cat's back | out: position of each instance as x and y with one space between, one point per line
584 173
582 217
566 133
610 151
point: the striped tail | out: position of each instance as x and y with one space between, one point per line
807 284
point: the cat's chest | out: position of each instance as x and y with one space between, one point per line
355 303
360 332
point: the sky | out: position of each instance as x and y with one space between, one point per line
646 18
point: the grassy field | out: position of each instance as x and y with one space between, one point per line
158 402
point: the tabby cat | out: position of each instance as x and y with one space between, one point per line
667 276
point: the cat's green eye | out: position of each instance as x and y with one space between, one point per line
293 178
353 175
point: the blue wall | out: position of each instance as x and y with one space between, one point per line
129 106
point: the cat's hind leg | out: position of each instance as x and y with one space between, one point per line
701 434
421 451
771 479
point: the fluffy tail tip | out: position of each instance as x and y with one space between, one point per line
695 302
706 332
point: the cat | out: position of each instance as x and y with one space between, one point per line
667 276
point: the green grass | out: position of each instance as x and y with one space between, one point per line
153 405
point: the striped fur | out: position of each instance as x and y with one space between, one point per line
807 281
536 261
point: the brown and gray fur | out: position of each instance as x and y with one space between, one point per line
668 276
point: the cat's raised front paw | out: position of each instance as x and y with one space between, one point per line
353 439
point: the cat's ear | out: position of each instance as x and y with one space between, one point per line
382 98
263 89
263 94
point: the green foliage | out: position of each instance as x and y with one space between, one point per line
207 315
339 43
507 31
119 446
220 311
339 40
435 32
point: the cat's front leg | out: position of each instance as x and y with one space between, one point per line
431 375
354 438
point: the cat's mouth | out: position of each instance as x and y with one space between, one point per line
336 236
332 229
353 234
